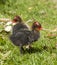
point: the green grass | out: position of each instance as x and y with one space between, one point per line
44 11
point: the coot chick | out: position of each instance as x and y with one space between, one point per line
22 36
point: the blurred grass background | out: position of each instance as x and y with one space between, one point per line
44 11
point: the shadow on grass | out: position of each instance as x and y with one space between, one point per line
36 50
33 50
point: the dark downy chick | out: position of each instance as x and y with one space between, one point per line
18 24
22 36
8 26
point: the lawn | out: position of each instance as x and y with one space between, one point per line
45 51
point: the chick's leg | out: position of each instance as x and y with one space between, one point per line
21 49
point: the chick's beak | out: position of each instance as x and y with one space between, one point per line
13 21
40 28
